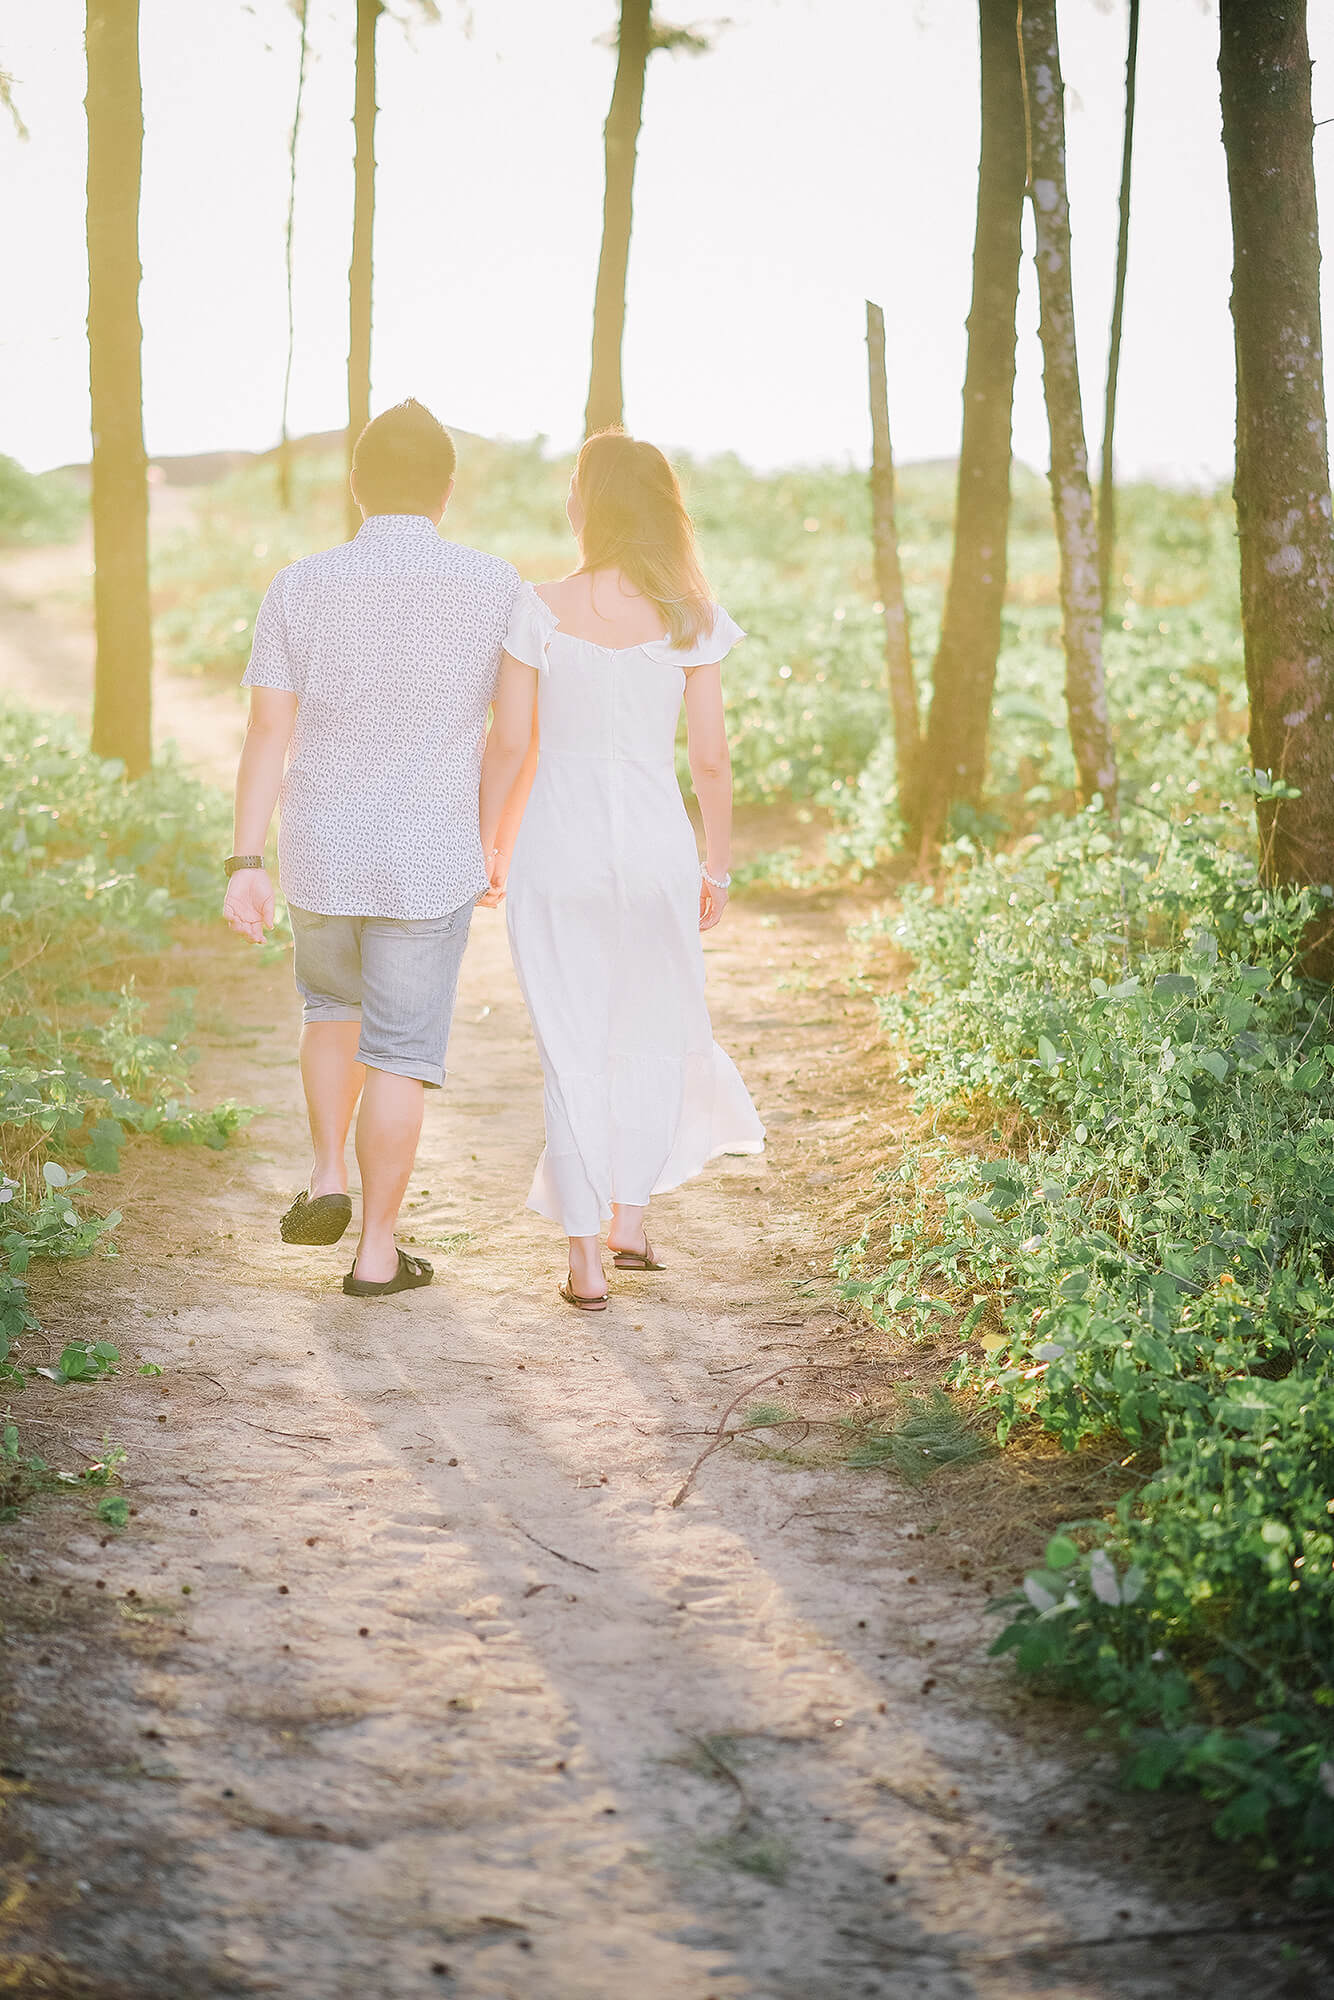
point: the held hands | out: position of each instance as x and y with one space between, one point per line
248 903
497 870
712 903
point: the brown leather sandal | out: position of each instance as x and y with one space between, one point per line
637 1260
590 1305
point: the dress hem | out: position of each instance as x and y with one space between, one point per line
747 1148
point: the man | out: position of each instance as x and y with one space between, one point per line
373 665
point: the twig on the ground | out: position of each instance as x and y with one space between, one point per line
720 1435
748 1809
574 1560
302 1437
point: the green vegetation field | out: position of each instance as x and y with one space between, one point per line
1121 1208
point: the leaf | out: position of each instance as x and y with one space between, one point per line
1127 990
1215 1063
1061 1552
1102 1578
991 1343
54 1174
981 1213
103 1151
1038 1596
1174 982
114 1510
1047 1054
1132 1584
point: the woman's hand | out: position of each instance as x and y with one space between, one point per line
712 903
497 871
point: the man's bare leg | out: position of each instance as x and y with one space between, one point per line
388 1127
332 1078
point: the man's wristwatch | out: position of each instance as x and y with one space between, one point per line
234 863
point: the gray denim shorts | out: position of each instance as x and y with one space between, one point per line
396 975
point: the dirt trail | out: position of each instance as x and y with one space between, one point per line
408 1679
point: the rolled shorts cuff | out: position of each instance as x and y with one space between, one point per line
327 1010
431 1074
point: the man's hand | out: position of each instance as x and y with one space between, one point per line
248 904
498 870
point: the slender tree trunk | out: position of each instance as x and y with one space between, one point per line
1282 483
284 443
122 684
1107 465
363 224
889 577
606 399
1072 496
964 673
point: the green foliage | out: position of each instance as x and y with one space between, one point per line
932 1432
1155 1250
95 876
38 508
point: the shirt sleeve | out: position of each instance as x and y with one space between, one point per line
531 625
271 663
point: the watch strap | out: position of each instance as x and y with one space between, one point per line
235 863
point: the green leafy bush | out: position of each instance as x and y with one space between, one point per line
47 507
95 875
1151 1258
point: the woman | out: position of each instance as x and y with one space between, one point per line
606 895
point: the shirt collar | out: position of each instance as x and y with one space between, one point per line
379 527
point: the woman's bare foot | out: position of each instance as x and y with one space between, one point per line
586 1274
627 1229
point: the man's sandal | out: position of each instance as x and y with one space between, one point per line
597 1304
320 1218
412 1272
637 1260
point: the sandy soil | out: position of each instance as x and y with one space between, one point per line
407 1677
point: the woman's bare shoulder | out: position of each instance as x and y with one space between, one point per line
563 592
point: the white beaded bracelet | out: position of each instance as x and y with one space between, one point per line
713 882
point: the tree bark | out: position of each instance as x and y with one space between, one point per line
1282 482
964 674
889 577
284 443
122 682
606 399
1072 496
1107 462
363 225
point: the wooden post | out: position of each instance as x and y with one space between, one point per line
1107 467
123 677
889 577
363 224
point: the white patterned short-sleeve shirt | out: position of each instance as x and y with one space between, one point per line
391 644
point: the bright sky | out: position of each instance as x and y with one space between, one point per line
825 150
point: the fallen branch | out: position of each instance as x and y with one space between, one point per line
572 1560
720 1436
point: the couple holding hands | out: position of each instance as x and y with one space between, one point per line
374 668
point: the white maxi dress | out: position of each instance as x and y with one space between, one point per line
603 912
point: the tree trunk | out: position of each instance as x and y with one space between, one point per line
964 673
122 683
889 577
1107 464
1072 496
284 444
363 223
606 400
1282 484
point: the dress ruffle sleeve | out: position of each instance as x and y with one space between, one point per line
715 645
531 625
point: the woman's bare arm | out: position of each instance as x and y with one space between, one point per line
711 775
508 763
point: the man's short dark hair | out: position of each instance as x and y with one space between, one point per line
403 461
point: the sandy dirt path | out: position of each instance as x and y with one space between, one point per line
407 1678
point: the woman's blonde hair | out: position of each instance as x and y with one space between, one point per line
636 521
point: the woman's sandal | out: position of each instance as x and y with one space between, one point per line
319 1218
597 1304
412 1272
637 1260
